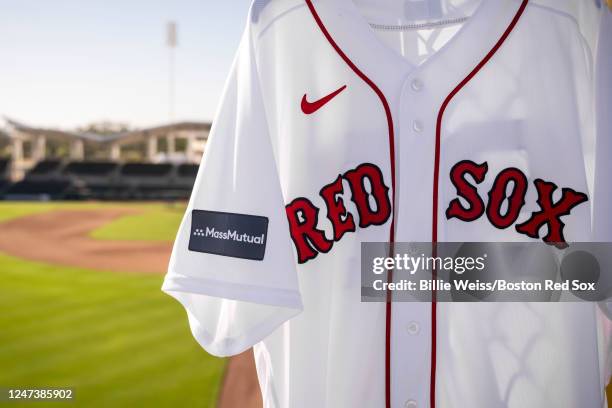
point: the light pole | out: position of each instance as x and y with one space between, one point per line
171 41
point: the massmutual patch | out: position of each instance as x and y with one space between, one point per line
228 234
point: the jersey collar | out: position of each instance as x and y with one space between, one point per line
448 66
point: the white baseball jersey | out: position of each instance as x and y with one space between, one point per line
345 122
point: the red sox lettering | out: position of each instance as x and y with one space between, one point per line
549 215
374 207
303 215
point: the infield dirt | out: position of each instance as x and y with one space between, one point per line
62 238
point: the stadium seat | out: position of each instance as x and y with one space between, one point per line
4 176
146 169
4 166
102 180
147 181
45 168
189 171
93 180
182 184
37 190
4 185
90 168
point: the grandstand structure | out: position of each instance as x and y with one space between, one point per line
157 163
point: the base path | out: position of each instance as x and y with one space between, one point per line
62 238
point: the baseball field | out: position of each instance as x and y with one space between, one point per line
81 307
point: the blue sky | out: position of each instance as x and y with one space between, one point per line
67 63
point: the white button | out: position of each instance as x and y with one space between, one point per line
410 404
417 125
416 85
413 328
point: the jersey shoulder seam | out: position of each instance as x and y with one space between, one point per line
583 41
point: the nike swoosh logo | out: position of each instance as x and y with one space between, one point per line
311 107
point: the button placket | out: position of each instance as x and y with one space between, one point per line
410 319
417 126
413 328
417 85
410 404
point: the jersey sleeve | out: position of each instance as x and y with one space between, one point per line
232 266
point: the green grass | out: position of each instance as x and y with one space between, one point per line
11 209
156 223
14 209
114 337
